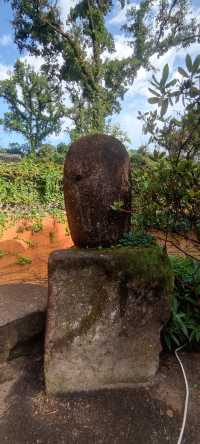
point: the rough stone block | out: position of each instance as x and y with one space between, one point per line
105 311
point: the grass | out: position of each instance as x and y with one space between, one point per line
23 260
35 228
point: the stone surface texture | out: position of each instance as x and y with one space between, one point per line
96 175
105 311
22 317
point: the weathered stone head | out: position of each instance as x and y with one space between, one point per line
96 175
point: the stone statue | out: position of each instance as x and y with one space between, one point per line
105 306
96 175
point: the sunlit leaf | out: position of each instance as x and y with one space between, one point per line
196 64
171 83
164 107
165 74
182 72
189 64
154 92
153 100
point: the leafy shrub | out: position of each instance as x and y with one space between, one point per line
31 182
163 199
135 239
3 220
184 324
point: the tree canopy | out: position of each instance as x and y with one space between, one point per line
95 78
35 105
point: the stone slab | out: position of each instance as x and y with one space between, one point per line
22 315
105 310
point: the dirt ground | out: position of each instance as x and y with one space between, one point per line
35 246
150 415
19 241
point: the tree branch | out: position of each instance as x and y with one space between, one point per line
89 80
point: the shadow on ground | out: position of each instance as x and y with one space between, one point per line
138 416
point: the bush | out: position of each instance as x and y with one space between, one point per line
184 324
31 183
163 199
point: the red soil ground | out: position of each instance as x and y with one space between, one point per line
19 241
15 243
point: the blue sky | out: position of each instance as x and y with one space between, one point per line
136 98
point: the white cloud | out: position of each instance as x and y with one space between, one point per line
119 15
122 47
129 123
63 135
65 7
5 71
6 40
33 61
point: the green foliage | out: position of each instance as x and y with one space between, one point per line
170 178
36 227
23 260
184 324
2 253
97 83
3 220
35 105
135 239
163 196
117 205
165 92
31 183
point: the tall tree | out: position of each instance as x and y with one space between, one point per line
35 105
95 81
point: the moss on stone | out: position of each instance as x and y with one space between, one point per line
146 264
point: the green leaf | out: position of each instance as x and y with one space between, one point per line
164 107
188 62
182 72
155 80
196 64
165 74
183 326
171 83
194 91
154 92
176 340
153 100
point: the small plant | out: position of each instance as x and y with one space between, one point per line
58 215
117 205
2 253
184 324
23 260
3 221
20 229
135 239
30 243
52 236
36 227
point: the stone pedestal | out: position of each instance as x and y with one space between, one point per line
105 311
